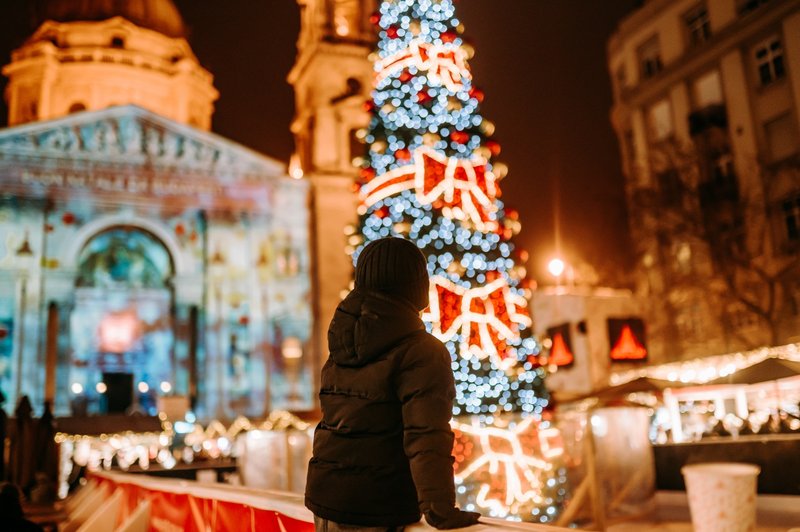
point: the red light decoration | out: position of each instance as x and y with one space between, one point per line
486 316
476 93
448 36
626 344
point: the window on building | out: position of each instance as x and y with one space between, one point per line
744 7
698 25
117 42
649 55
660 118
707 90
769 60
77 107
782 137
790 209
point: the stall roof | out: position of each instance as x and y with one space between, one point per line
770 369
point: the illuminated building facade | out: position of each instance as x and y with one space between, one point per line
706 109
140 255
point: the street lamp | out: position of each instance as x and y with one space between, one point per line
24 258
556 267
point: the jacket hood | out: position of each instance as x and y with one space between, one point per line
368 324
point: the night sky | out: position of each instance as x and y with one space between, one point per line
542 64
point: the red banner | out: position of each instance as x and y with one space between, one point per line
175 511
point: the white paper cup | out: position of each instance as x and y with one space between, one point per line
722 496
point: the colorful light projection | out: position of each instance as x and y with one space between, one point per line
119 331
429 175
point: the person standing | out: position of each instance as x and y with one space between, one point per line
382 451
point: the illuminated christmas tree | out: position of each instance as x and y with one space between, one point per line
429 176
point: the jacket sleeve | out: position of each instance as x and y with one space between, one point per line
426 388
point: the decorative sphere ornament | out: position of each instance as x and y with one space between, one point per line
487 127
469 50
414 28
453 104
476 93
430 139
402 154
483 152
388 109
379 146
448 36
459 137
402 228
500 170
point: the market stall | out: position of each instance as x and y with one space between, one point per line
743 407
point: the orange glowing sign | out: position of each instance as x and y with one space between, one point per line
627 340
561 350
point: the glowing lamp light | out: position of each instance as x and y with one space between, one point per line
292 348
119 331
143 387
77 388
101 387
166 387
556 267
295 167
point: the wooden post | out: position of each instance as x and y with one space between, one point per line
51 353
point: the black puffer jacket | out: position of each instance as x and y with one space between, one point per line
383 448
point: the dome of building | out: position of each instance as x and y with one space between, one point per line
158 15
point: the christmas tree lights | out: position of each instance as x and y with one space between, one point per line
430 176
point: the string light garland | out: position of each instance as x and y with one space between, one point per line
430 175
702 370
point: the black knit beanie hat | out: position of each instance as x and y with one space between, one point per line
394 266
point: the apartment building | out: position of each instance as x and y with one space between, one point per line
706 109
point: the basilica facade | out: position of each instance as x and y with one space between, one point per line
141 256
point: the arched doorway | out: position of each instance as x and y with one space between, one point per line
122 339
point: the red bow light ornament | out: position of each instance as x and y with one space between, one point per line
465 187
486 317
446 64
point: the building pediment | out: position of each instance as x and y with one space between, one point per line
129 154
129 135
